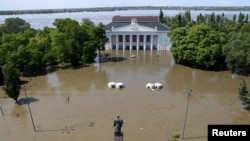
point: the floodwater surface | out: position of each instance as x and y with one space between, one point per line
76 104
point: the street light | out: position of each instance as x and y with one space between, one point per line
186 114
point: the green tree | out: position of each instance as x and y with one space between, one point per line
99 36
244 94
245 28
44 43
14 25
198 46
12 42
237 53
34 53
68 39
11 81
88 22
61 46
200 19
178 40
187 17
161 16
89 52
234 18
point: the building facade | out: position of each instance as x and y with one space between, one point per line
137 33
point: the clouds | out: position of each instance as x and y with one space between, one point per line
52 4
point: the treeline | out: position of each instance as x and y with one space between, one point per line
99 9
211 42
27 51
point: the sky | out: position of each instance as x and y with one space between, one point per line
58 4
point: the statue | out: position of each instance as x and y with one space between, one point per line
117 126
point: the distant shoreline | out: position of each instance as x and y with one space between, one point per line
101 9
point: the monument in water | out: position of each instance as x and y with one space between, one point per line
118 134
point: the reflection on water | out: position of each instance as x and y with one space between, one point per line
148 115
53 80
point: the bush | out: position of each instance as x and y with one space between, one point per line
175 136
244 94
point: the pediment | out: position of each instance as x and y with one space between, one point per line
134 27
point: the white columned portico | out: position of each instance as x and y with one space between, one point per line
136 33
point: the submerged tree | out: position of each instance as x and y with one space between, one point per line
237 53
197 46
244 94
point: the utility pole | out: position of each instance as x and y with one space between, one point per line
24 88
186 114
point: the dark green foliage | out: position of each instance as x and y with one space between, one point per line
89 52
27 51
211 42
245 28
1 76
88 22
71 41
11 80
197 46
237 52
244 94
14 25
161 16
99 36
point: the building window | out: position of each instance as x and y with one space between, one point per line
134 38
141 38
148 38
127 38
120 38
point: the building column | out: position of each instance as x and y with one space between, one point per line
159 44
137 42
144 40
152 41
110 43
130 41
116 41
123 41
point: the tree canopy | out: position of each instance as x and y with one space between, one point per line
28 51
212 42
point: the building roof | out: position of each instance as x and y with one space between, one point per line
148 21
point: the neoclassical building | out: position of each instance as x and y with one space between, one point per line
137 33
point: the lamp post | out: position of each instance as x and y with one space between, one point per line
24 88
184 126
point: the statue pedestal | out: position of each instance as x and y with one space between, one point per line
118 138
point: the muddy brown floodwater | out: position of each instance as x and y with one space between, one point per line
148 115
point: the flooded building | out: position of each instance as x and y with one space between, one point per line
137 33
